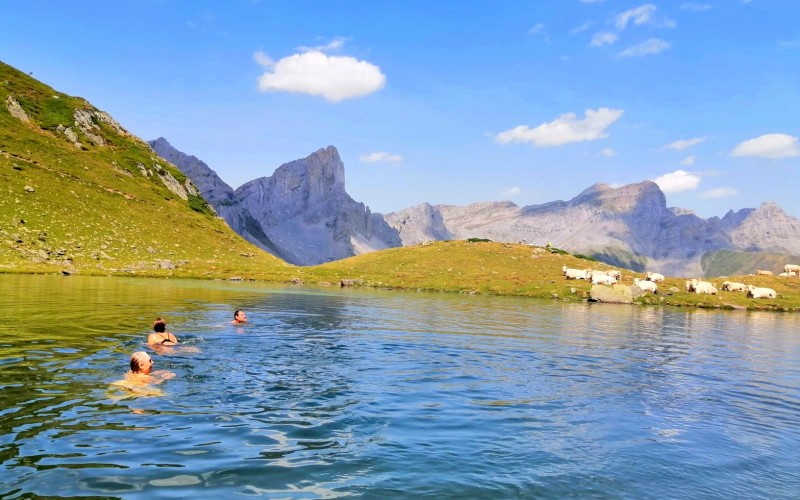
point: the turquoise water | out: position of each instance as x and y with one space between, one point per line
375 394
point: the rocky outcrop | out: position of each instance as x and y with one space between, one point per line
213 189
300 213
16 110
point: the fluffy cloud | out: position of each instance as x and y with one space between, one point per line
772 146
565 129
607 152
677 181
380 157
719 193
648 47
335 78
603 38
688 161
682 144
512 191
640 15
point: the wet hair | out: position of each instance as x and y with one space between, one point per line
138 359
236 313
159 325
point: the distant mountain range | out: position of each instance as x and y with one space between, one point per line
302 214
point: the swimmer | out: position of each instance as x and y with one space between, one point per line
140 379
239 317
160 335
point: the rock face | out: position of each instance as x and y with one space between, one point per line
301 213
629 226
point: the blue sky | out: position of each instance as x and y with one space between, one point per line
447 102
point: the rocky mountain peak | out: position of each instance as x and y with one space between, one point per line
316 179
644 198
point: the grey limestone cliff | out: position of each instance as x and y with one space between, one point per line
301 213
629 226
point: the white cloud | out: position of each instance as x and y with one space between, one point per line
648 47
772 146
583 27
512 191
719 193
607 152
335 44
536 29
603 38
336 78
688 161
564 129
640 15
682 144
696 7
380 157
677 181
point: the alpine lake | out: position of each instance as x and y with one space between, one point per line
330 392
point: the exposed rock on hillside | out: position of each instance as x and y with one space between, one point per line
301 213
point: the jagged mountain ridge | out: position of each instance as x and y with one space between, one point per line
630 226
300 213
303 214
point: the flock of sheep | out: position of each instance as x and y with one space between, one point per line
696 285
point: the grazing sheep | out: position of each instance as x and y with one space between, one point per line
656 277
646 286
762 272
575 274
733 286
792 268
698 286
616 274
760 293
785 275
599 278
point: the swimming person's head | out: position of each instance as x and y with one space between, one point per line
159 325
239 316
141 362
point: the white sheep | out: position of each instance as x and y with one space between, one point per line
760 293
785 275
616 274
656 277
733 286
698 286
575 274
762 272
599 278
792 268
646 286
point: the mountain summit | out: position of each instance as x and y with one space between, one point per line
300 213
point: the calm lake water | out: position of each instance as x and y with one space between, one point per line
376 394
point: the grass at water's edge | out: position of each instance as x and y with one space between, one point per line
453 266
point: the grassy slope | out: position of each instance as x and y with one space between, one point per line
727 262
513 269
91 209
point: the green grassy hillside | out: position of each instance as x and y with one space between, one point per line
94 199
729 263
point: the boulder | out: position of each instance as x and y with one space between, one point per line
615 294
